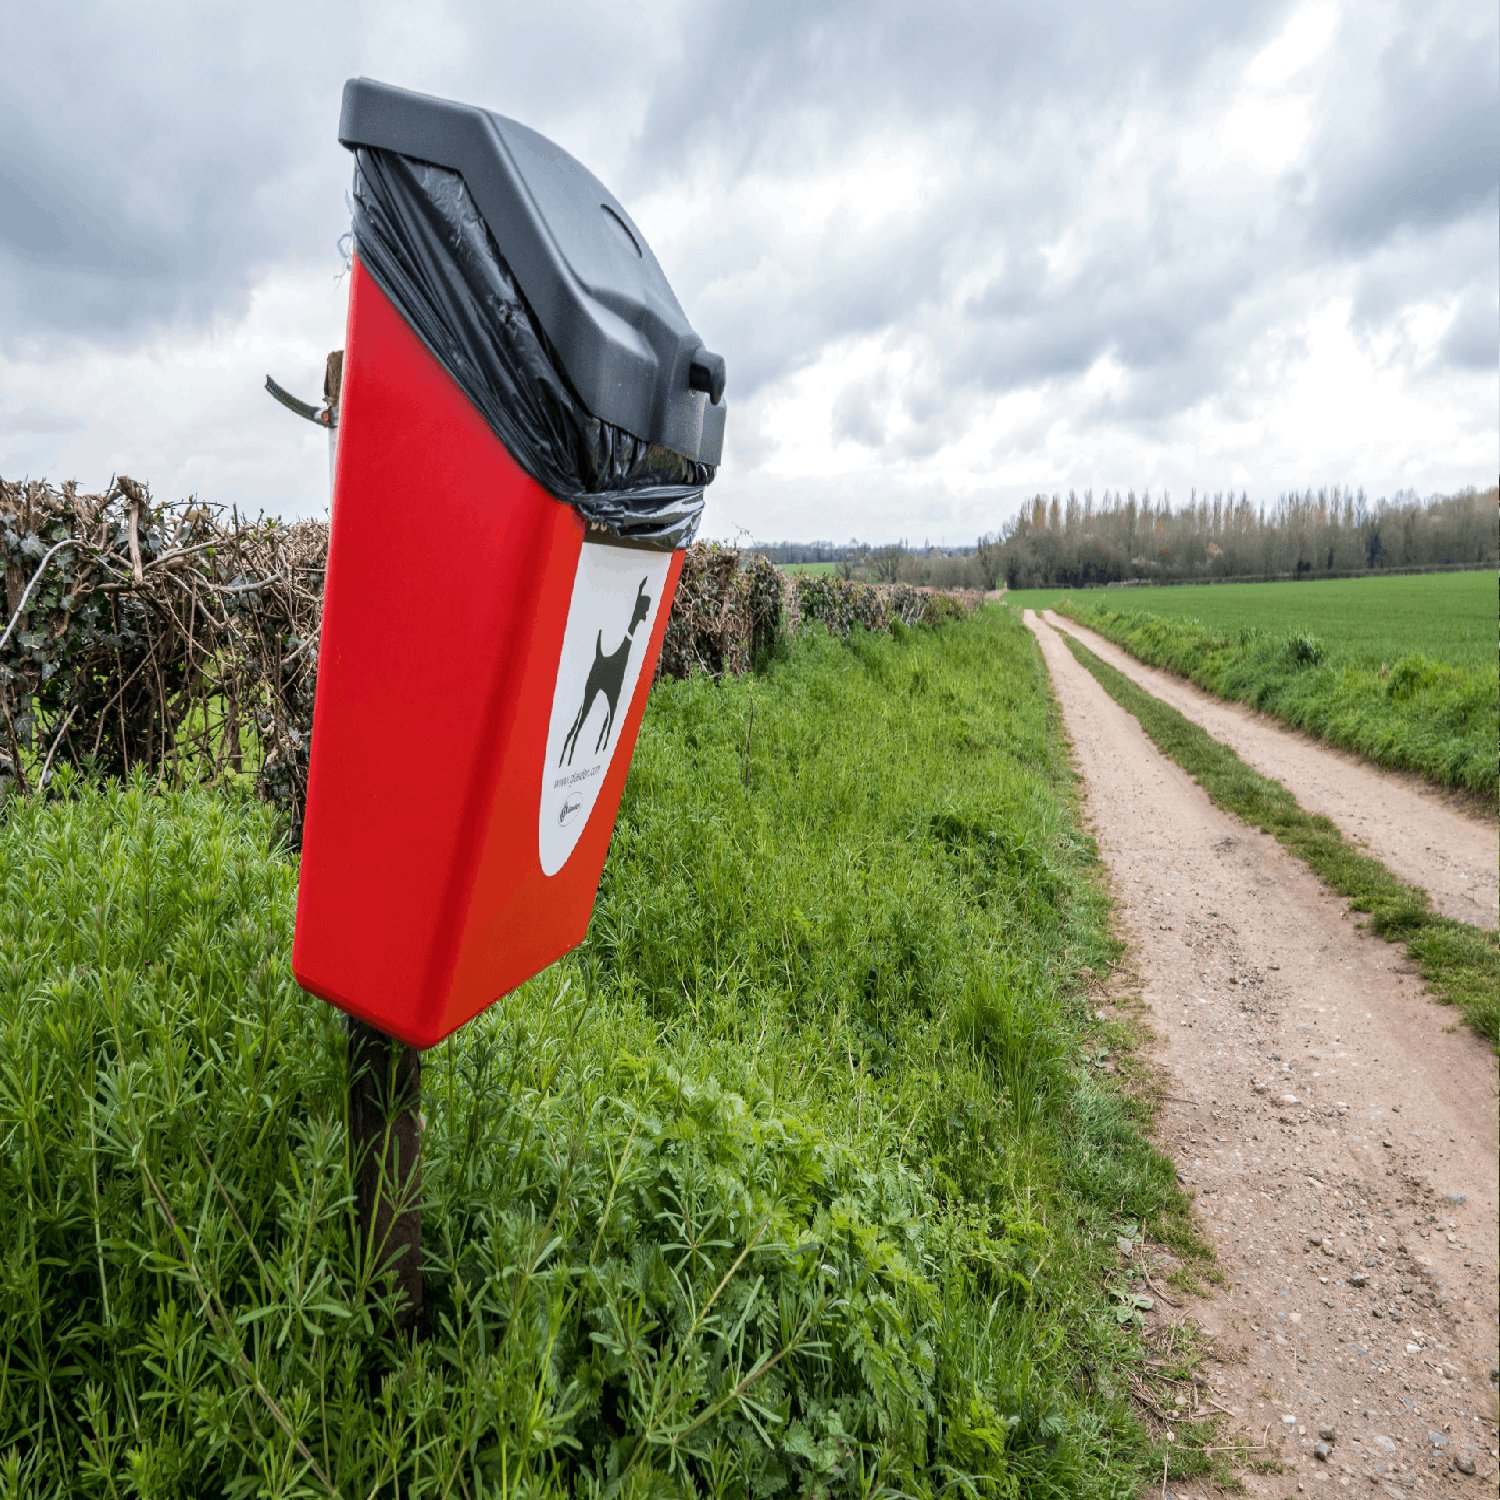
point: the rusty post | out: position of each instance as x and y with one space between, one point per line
385 1141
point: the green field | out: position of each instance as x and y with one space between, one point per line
1450 617
802 1176
793 569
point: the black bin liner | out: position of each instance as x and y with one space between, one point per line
419 234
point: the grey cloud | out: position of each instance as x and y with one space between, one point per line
1472 341
1411 141
858 413
842 287
1176 330
1406 151
1034 109
154 161
1164 316
32 228
38 419
145 168
752 78
1444 264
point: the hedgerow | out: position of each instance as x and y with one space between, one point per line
184 640
166 636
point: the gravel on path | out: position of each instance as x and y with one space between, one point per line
1338 1130
1424 836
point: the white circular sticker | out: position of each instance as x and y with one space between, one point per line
616 593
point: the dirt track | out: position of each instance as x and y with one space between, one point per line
1424 837
1339 1132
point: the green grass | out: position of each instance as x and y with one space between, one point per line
1457 961
825 569
796 1178
1433 709
1364 622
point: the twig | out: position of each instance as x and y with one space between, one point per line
1138 1390
1146 1277
167 558
292 656
47 764
225 624
249 587
120 696
1201 1387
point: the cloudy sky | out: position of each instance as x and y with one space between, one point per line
953 253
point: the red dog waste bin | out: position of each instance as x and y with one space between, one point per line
526 426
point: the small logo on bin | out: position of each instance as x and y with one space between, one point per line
568 811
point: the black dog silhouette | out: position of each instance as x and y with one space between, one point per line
606 676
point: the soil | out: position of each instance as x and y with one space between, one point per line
1337 1128
1439 841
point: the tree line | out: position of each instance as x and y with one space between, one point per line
1078 542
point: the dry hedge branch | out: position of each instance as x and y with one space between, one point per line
732 606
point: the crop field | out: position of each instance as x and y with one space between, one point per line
803 1175
825 569
1400 670
1449 617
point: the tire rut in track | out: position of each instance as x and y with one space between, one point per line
1316 1094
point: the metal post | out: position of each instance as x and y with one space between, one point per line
385 1138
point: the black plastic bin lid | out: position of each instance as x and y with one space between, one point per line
584 268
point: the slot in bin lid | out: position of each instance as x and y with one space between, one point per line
583 265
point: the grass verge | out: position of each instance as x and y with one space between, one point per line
799 1177
1411 712
1457 961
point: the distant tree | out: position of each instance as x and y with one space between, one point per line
989 561
885 562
